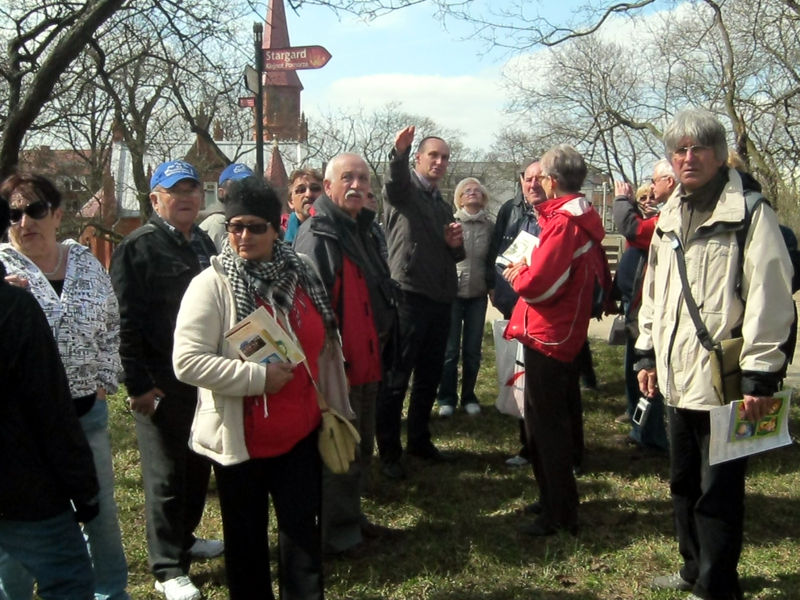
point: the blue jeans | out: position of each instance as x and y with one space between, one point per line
102 534
54 552
471 312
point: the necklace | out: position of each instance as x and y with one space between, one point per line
58 264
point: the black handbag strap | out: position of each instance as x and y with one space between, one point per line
691 305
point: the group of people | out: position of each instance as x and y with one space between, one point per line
394 305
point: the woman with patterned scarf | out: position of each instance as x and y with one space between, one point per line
258 422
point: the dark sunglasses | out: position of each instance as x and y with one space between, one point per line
35 210
254 228
314 187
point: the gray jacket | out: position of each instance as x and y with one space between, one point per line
475 273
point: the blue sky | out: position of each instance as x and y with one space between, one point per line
406 56
409 56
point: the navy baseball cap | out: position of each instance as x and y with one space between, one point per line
234 172
171 172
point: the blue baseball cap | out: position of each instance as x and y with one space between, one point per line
234 172
171 172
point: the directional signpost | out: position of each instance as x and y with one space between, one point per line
274 59
296 58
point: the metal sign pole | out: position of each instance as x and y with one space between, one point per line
258 35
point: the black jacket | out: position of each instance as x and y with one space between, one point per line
328 235
514 216
150 271
420 260
46 461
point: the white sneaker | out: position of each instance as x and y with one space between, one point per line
178 588
202 549
472 408
445 410
517 461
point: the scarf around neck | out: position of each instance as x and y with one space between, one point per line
275 282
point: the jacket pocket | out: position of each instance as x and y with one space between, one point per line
207 428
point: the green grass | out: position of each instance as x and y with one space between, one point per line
458 520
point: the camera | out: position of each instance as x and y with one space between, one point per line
641 411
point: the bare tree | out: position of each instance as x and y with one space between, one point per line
42 40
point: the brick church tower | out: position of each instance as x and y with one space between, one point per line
283 120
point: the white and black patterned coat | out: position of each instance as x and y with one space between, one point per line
84 319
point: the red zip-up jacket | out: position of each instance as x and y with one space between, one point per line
556 289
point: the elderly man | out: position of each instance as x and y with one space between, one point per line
636 221
305 186
214 216
702 217
516 215
551 319
150 271
425 243
339 239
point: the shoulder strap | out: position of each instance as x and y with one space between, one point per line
752 200
691 305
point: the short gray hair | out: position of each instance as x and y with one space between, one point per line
565 164
334 163
700 126
663 168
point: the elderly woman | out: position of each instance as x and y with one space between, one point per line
75 294
475 279
258 422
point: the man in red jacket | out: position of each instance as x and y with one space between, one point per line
551 319
339 238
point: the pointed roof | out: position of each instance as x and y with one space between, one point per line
276 170
276 35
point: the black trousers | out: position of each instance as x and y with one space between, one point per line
424 327
293 480
552 418
709 507
175 484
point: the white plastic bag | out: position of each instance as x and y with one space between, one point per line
510 372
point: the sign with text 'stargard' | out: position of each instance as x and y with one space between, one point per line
295 58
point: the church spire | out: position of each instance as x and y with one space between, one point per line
282 117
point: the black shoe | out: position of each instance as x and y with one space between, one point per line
542 527
538 528
393 470
535 508
430 453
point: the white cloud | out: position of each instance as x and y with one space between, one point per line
471 104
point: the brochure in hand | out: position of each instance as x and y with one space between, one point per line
732 436
260 338
520 249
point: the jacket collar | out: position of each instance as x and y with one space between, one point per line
728 214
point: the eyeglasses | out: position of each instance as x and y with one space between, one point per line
35 210
682 151
315 188
254 228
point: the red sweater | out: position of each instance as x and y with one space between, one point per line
292 413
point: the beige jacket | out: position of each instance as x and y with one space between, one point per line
202 358
764 311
